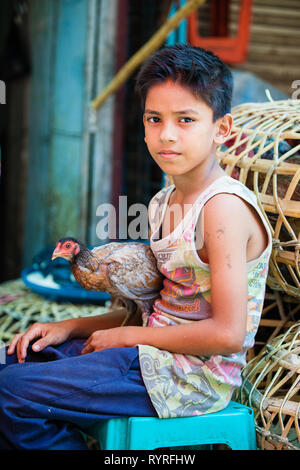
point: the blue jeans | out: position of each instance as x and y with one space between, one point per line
46 400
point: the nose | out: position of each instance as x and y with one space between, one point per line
168 132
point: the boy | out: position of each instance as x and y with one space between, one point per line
214 255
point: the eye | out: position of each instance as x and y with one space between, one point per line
153 119
68 245
186 119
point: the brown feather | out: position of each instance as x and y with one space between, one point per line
127 271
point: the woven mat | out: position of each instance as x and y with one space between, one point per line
20 308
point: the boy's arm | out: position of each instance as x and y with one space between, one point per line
226 233
83 327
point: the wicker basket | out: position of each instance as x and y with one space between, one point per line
271 383
280 311
263 152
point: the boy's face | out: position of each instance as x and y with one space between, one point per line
179 130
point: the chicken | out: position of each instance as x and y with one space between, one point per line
127 271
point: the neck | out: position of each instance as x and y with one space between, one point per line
83 256
88 271
189 185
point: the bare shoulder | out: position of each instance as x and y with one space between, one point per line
237 221
226 200
228 211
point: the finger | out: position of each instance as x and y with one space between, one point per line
18 351
25 340
87 343
41 343
84 351
12 344
87 349
21 348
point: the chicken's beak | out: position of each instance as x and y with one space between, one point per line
59 254
55 254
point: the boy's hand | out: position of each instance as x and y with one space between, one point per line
106 339
50 333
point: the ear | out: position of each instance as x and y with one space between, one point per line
223 128
77 249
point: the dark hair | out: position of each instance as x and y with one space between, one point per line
205 74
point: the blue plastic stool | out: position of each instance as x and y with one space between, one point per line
233 426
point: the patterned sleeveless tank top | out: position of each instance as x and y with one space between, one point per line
187 385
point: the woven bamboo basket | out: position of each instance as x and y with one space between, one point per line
263 152
280 311
271 383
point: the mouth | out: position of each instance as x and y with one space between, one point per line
168 154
